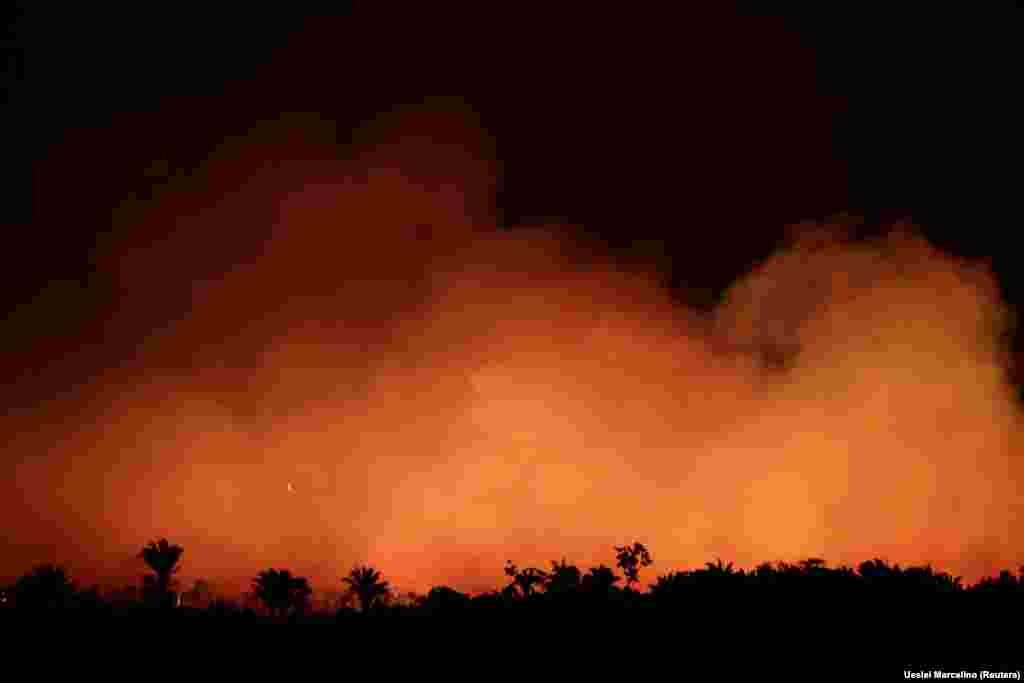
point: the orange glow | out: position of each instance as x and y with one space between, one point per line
443 396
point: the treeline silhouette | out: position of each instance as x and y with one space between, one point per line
279 596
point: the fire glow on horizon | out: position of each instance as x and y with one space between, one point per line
352 364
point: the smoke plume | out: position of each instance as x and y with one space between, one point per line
328 353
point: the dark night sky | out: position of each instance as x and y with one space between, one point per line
780 118
689 140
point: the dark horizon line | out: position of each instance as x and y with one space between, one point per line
112 582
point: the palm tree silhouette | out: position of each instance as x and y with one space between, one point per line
630 559
366 583
719 569
162 557
280 591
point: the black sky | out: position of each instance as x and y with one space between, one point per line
701 134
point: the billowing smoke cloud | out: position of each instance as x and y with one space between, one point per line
332 355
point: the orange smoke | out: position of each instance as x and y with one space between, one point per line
334 356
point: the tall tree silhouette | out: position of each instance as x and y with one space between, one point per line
281 592
162 557
630 559
366 583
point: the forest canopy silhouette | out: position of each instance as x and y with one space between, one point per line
278 596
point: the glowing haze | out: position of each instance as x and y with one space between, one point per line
338 357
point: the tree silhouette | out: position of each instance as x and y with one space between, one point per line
442 599
563 578
764 573
630 559
366 583
46 586
281 592
718 569
876 569
600 580
162 557
1005 583
524 580
670 586
811 565
712 588
490 601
